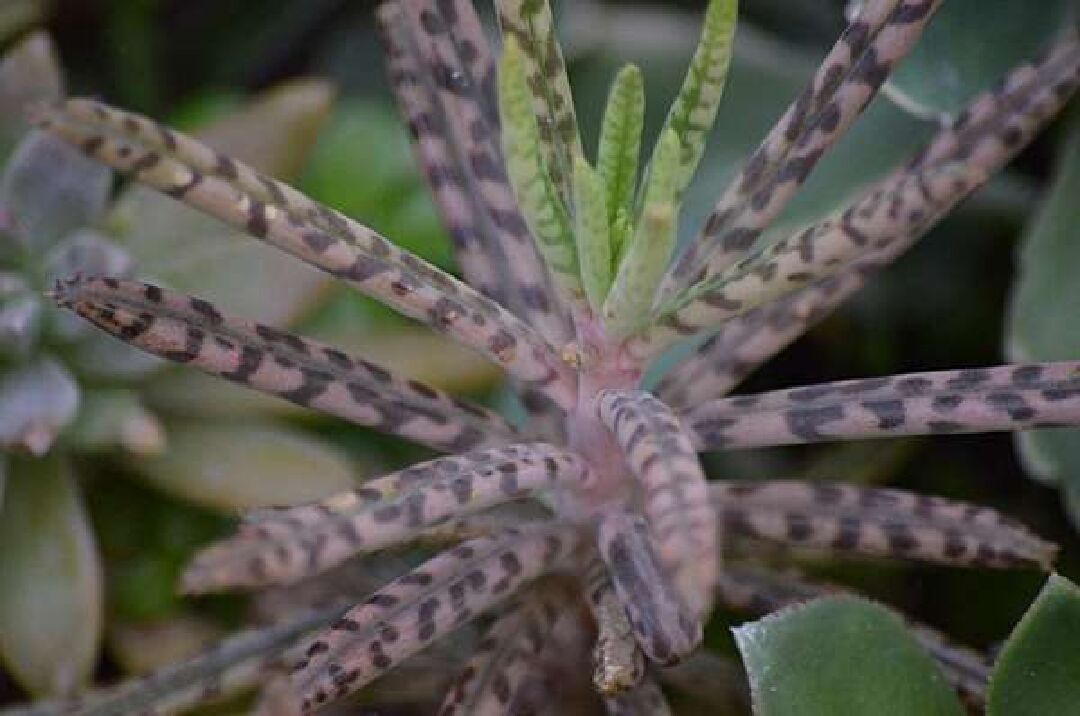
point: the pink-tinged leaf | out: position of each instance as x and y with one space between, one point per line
618 663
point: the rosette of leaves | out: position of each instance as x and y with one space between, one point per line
571 287
73 406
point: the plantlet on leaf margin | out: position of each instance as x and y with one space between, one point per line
629 515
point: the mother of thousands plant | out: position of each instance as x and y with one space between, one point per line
572 291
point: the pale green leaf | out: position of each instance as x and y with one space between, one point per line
230 466
631 297
620 141
544 211
1042 317
592 232
36 402
51 593
111 418
1038 671
840 655
693 112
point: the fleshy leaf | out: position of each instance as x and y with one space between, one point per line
51 606
1036 672
110 418
592 232
530 174
646 257
36 402
49 188
236 466
967 46
694 110
873 664
620 140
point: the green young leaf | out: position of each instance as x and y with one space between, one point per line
239 466
840 655
544 211
967 47
694 110
592 232
620 140
1042 324
1038 671
646 257
51 606
530 24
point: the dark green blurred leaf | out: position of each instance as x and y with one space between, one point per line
50 608
840 655
1038 672
968 45
1042 315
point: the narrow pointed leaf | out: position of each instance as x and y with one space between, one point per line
618 663
530 24
282 546
545 211
848 519
412 611
1036 672
285 218
443 75
620 141
1003 398
849 77
191 331
873 666
51 607
592 233
643 261
674 493
665 628
694 110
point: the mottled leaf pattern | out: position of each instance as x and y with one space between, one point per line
421 606
282 546
618 664
190 330
1009 397
874 521
620 142
592 232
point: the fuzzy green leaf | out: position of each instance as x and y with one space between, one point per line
694 110
840 655
544 211
631 297
592 232
530 24
1038 671
51 606
620 140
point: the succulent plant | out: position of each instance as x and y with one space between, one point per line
70 400
570 288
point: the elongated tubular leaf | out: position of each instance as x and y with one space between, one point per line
642 263
233 665
620 141
192 331
421 606
734 423
878 522
847 80
618 664
443 76
761 592
665 628
645 700
324 239
530 23
694 110
1008 117
592 233
285 545
674 494
493 679
545 211
894 212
